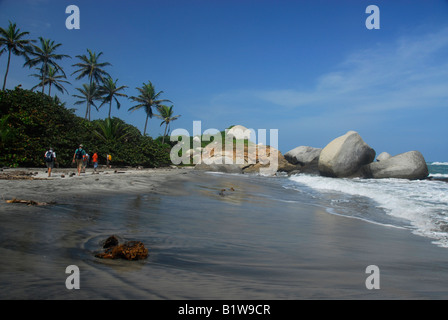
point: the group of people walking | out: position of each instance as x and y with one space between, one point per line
80 157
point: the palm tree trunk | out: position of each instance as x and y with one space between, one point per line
7 70
144 131
49 89
164 134
110 107
44 75
91 82
87 110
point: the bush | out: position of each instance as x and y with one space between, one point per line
35 121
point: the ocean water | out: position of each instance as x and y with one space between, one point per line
419 206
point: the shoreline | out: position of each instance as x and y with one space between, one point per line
240 246
34 183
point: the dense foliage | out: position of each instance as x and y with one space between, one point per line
30 122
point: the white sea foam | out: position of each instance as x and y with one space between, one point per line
439 175
424 204
439 163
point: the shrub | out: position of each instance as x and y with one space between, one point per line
36 121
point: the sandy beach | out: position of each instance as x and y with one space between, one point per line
34 183
243 245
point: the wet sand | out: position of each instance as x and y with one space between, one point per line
65 184
203 245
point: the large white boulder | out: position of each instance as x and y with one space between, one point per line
239 132
344 156
383 156
303 155
409 165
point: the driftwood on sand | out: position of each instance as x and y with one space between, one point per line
29 202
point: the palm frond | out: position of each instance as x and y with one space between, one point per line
90 67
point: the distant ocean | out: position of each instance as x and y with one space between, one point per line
420 206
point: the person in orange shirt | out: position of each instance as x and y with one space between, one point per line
108 160
95 161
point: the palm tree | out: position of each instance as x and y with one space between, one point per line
166 114
11 40
147 99
45 56
110 91
90 67
52 78
111 130
89 93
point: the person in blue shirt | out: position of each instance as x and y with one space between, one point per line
78 157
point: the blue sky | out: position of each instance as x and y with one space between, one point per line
310 69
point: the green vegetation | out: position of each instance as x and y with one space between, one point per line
147 99
45 56
6 134
109 91
90 67
89 93
11 40
166 114
30 122
52 79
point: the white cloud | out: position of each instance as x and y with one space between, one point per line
411 73
362 93
408 73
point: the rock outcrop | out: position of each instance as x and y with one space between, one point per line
409 165
219 166
265 167
303 155
383 156
305 158
239 132
347 156
243 156
344 156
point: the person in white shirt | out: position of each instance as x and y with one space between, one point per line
50 158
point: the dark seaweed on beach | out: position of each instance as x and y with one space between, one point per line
19 175
130 250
